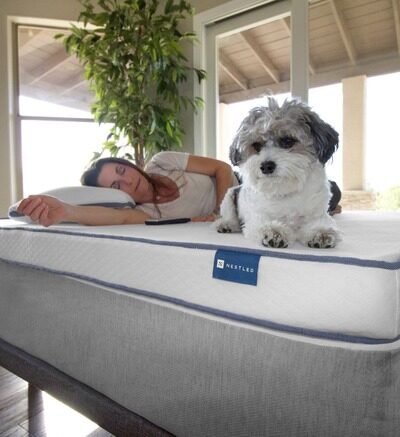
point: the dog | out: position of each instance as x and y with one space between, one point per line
281 152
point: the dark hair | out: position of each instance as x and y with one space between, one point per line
91 175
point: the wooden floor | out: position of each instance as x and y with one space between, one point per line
27 411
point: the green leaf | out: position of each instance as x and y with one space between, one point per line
168 7
135 63
169 130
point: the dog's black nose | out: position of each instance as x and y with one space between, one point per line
268 167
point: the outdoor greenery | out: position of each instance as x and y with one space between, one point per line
132 53
389 200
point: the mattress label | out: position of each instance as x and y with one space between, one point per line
236 266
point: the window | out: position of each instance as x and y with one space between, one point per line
246 29
58 134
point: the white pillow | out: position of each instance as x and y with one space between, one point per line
82 195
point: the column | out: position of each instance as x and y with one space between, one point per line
354 116
299 57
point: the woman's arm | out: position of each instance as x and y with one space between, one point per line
48 211
221 171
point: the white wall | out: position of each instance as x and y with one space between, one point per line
203 5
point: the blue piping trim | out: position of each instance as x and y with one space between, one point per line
208 310
386 265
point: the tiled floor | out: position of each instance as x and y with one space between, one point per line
27 411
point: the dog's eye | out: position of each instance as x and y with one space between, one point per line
287 142
257 146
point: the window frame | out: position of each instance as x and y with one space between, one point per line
227 18
17 180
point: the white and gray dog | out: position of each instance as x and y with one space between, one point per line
284 196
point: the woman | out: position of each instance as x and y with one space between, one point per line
174 185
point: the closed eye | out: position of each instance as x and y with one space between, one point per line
115 185
257 146
120 170
287 142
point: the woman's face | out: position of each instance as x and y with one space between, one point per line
125 178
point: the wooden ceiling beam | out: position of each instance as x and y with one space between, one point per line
262 58
316 3
74 86
373 66
54 62
286 25
344 31
232 71
396 16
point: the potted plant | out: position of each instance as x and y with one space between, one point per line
133 59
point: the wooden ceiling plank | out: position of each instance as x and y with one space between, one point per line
39 38
357 4
262 58
26 36
286 25
232 71
396 16
344 32
78 102
366 8
380 20
28 43
45 68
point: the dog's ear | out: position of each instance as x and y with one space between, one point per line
326 139
234 153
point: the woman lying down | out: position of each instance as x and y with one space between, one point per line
173 185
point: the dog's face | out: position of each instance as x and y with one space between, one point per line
276 147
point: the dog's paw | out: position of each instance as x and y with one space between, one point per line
223 229
226 227
324 240
274 239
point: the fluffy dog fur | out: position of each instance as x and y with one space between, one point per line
284 197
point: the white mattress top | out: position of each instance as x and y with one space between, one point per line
350 293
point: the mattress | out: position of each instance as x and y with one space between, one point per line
143 316
348 294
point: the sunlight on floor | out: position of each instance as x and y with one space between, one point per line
62 421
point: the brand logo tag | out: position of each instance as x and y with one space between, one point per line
236 266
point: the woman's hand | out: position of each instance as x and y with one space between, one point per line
45 210
48 211
205 218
